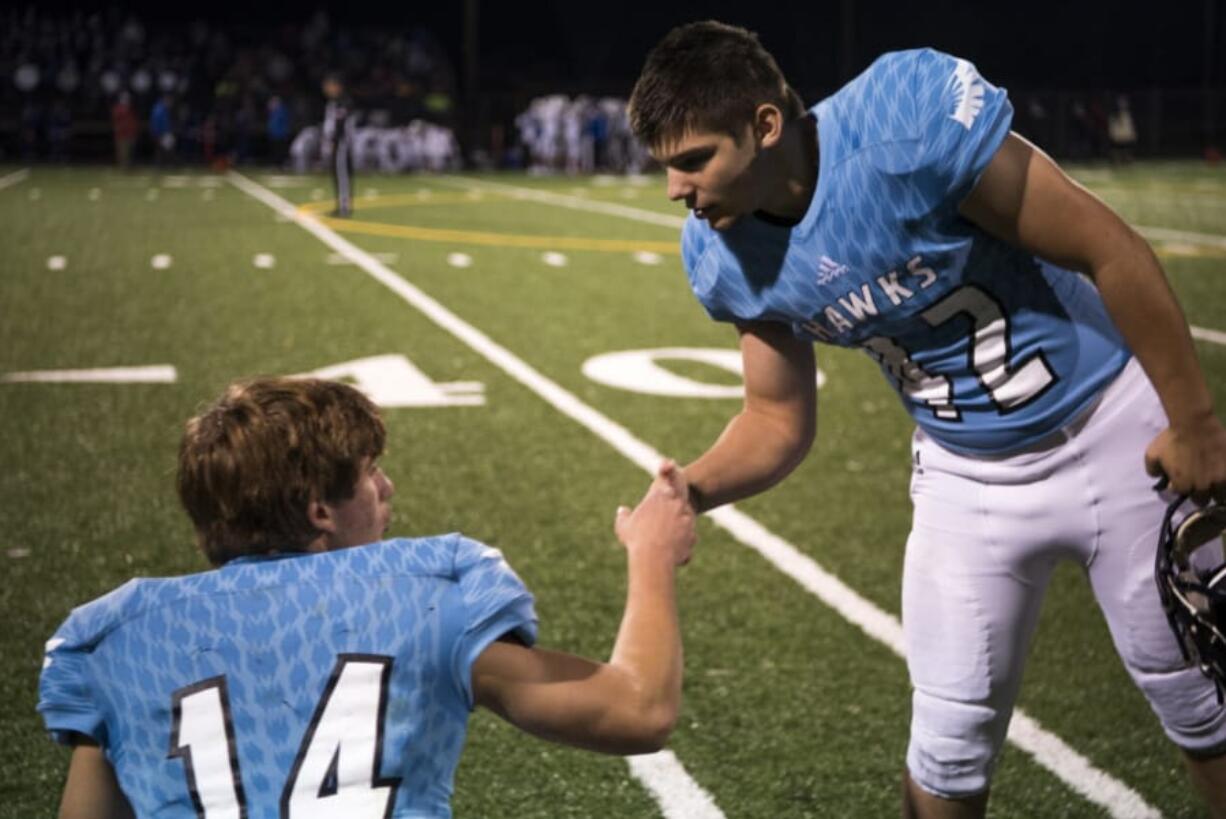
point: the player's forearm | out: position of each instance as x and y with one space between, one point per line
753 454
1148 316
648 653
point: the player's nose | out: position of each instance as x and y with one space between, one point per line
387 488
679 186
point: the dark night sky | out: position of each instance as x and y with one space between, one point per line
1036 44
1040 44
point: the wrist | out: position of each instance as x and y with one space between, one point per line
645 556
696 498
1193 420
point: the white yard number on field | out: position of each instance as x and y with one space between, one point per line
394 381
640 371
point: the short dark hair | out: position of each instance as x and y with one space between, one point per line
707 76
252 462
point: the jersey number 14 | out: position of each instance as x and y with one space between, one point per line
336 771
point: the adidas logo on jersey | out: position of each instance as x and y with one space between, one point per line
968 91
828 270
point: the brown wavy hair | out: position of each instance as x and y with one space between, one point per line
706 76
252 462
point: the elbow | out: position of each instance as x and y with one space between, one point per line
652 729
644 721
659 726
805 437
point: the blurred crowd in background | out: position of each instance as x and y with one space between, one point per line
77 83
99 85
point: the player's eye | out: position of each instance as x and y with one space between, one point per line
691 163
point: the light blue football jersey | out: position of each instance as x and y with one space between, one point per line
322 685
989 347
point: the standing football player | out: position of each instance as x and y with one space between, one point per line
337 144
315 676
902 216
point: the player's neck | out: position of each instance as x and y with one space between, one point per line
795 170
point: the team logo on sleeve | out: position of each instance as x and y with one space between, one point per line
968 90
52 645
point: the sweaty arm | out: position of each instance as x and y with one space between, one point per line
773 431
629 704
1024 198
92 792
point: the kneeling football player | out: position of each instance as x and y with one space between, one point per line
318 670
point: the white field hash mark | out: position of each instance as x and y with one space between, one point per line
14 177
152 374
1066 764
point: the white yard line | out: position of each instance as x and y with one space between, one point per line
1205 334
14 177
679 796
1159 234
1050 751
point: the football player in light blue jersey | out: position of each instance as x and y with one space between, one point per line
308 675
1029 332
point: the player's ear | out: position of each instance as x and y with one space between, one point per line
319 514
768 124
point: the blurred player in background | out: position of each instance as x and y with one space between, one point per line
337 144
902 216
326 677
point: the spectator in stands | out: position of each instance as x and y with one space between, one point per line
161 128
31 133
59 130
1121 130
125 128
277 127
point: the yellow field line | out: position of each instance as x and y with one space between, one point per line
474 237
403 199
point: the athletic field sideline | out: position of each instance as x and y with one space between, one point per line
485 314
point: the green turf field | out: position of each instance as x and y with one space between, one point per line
791 709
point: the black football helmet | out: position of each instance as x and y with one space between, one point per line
1193 591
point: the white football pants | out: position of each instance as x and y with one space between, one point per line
986 535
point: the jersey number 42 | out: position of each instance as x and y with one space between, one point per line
1010 386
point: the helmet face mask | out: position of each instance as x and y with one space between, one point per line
1193 597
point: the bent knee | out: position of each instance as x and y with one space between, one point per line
1187 705
954 745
